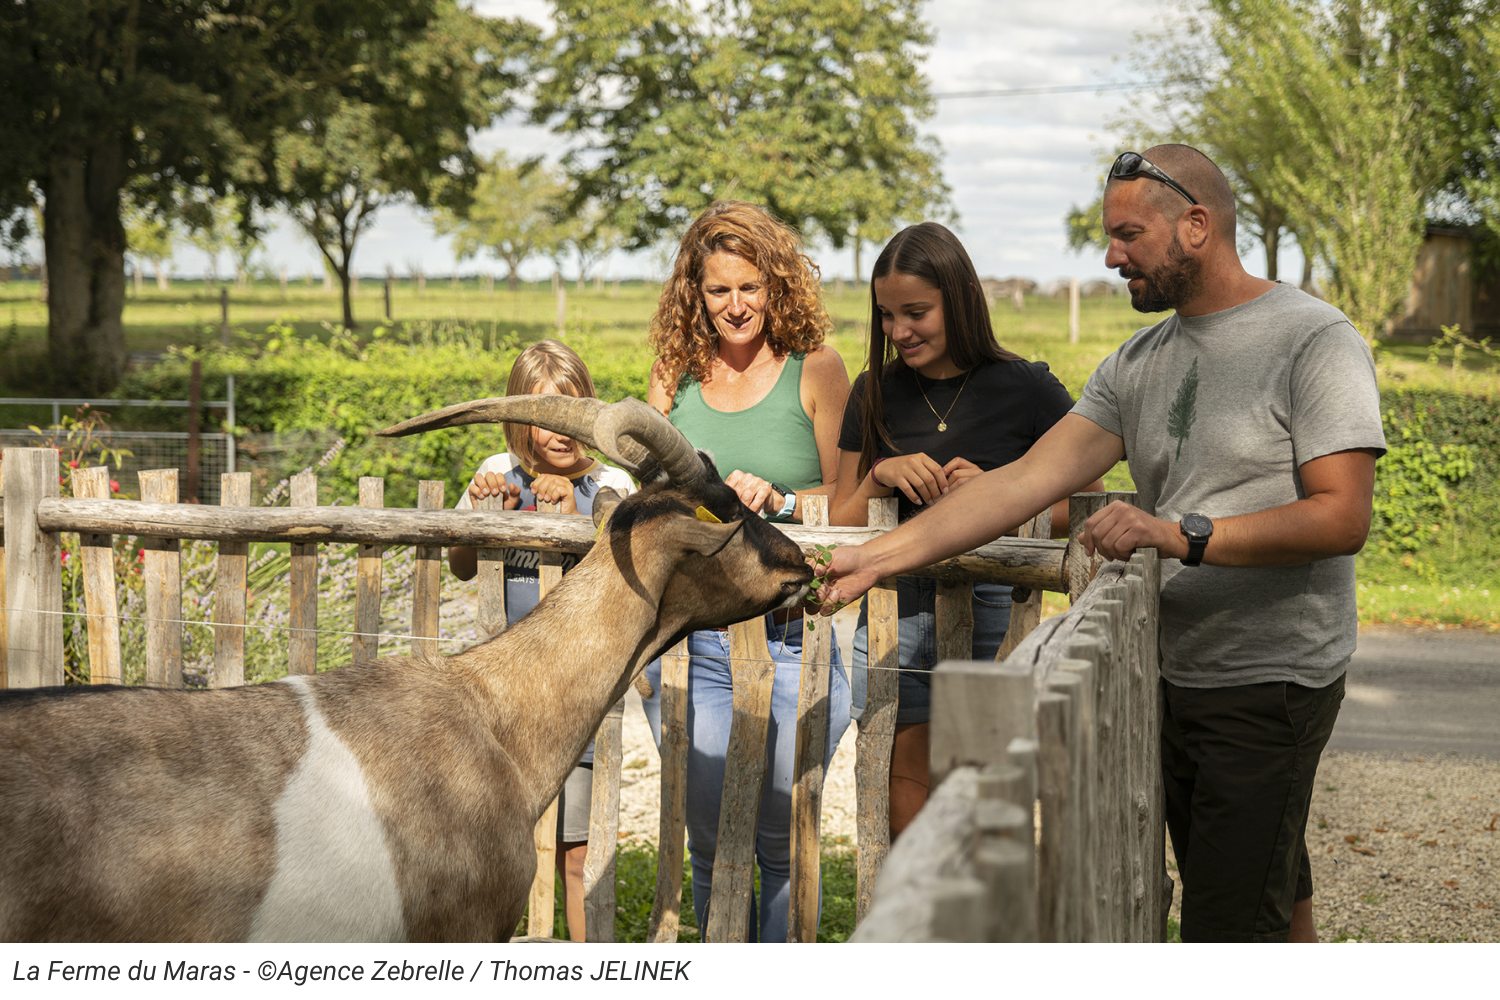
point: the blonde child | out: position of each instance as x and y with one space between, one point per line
541 465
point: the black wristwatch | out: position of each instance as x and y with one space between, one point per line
1197 529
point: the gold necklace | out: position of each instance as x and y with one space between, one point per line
942 420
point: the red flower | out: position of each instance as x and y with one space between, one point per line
114 486
140 556
72 463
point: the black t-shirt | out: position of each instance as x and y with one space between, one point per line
997 417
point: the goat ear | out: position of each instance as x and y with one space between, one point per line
707 537
605 501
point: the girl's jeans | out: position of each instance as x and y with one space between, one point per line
710 710
916 607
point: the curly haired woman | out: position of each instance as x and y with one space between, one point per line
742 371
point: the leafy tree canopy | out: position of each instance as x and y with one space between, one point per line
809 107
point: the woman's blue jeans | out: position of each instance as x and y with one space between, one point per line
710 710
916 609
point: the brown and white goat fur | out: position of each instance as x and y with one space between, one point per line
389 800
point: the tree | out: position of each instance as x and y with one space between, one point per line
399 128
593 237
1481 175
177 94
1084 227
809 107
513 215
1336 123
149 236
208 222
1366 142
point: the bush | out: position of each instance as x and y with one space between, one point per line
1412 503
1444 465
348 389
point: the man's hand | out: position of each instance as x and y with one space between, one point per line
555 489
1119 529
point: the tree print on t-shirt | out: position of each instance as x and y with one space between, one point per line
1184 408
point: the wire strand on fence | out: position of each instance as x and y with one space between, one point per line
389 635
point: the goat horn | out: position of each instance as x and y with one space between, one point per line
629 432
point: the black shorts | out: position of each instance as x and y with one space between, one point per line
1239 765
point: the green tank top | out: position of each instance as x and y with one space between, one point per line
772 439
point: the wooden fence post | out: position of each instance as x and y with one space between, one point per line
427 580
368 569
604 830
302 644
1077 563
491 578
33 581
544 835
162 571
1150 807
978 708
877 727
812 743
229 590
99 599
1085 914
958 910
754 673
674 750
1054 857
1026 614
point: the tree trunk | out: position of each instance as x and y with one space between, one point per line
1270 238
858 245
343 274
84 243
512 280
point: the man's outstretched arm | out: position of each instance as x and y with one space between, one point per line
1070 456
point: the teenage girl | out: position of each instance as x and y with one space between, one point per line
543 465
947 402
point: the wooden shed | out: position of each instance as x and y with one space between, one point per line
1446 289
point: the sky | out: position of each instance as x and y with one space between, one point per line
1015 164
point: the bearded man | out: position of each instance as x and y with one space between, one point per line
1251 421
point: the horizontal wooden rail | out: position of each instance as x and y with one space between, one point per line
1035 563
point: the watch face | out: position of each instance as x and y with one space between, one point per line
1197 524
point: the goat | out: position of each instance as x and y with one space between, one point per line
388 800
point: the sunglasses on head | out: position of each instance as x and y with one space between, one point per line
1129 166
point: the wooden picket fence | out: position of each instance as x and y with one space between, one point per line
31 630
1047 818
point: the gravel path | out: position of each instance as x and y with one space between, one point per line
1404 848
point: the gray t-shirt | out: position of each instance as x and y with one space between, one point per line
1218 412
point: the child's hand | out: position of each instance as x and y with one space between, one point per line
487 484
555 489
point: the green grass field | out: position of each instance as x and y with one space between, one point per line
1449 586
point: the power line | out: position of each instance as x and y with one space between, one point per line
1032 91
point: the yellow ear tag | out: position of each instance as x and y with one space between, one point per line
704 514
